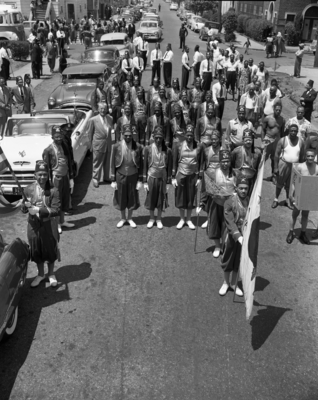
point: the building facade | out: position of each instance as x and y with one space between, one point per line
280 12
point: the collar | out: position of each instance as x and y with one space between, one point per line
237 121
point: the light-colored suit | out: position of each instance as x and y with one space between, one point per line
101 144
5 107
25 105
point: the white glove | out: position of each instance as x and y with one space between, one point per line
198 210
34 210
27 204
110 111
72 185
167 188
139 185
174 183
114 185
198 182
240 240
146 187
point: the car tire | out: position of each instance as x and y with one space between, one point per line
12 323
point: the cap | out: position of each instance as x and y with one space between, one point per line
140 89
177 107
18 78
136 78
158 131
175 80
224 155
216 133
190 129
242 180
41 165
27 76
184 93
241 108
158 105
248 133
127 129
68 128
210 107
56 129
128 105
301 45
310 82
208 93
162 87
197 79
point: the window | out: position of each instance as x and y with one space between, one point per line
80 8
255 10
245 7
260 10
241 6
62 9
290 17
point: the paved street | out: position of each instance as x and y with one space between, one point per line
137 315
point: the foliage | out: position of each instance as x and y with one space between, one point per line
241 22
229 37
299 21
199 6
255 28
19 49
291 34
229 22
210 16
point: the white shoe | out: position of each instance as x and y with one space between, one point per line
204 226
121 223
180 224
67 225
150 223
224 289
131 223
238 291
59 228
159 224
216 252
38 279
53 281
190 224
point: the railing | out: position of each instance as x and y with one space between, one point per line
48 11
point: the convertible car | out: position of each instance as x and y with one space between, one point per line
150 30
27 136
13 269
78 86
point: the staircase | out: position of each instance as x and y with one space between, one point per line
40 12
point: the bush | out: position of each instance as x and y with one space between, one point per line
229 22
20 50
255 28
229 37
291 34
241 22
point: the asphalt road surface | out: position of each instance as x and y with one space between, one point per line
137 315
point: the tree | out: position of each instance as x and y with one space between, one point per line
199 6
229 22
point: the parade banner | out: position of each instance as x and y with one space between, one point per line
248 263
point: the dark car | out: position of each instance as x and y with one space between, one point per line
13 269
108 55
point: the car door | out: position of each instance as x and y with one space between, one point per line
80 139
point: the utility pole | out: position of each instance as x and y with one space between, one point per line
316 55
220 13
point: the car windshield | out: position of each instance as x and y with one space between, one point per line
113 41
99 55
85 78
148 25
33 126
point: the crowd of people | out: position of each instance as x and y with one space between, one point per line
174 135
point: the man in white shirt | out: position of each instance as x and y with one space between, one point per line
219 95
278 92
253 67
167 65
155 62
232 50
137 41
185 68
234 132
138 64
206 72
60 35
127 64
215 49
144 48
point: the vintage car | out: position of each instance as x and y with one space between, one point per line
78 86
13 270
118 39
207 26
150 30
174 6
197 23
108 55
129 17
26 136
188 17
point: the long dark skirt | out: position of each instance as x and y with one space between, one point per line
231 254
297 68
5 69
141 129
43 239
126 195
231 80
156 196
185 191
51 63
184 77
216 225
167 72
62 183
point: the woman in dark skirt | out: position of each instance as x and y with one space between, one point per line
185 174
126 176
157 175
43 205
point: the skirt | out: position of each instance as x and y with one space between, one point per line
185 191
62 183
156 196
126 195
43 239
231 255
216 223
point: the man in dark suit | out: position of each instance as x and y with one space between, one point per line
307 99
158 119
99 133
5 104
22 97
100 96
36 60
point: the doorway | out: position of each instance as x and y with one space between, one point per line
70 12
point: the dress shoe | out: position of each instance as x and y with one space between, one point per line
67 225
38 279
159 224
95 183
53 281
107 181
224 289
216 252
303 237
190 224
238 291
290 237
180 224
131 223
59 228
121 223
69 212
204 225
275 204
150 223
315 234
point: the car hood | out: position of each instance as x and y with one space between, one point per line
72 91
27 149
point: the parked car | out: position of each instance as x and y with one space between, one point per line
187 18
197 23
150 30
173 6
118 39
13 270
108 55
207 26
26 136
152 17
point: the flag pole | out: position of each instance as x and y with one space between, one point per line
17 182
197 227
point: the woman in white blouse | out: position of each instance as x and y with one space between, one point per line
197 58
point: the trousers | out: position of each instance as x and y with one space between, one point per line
101 163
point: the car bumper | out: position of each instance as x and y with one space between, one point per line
151 36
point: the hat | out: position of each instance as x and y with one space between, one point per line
190 129
158 131
156 79
224 155
128 105
241 108
184 93
175 80
310 82
197 79
162 87
301 45
210 107
42 166
127 129
158 105
248 133
242 180
27 76
68 128
140 89
56 129
18 78
177 107
209 92
216 133
136 78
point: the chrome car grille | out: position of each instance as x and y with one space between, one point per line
24 177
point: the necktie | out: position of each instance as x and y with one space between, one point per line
208 65
221 91
139 62
143 45
165 55
128 64
22 95
157 55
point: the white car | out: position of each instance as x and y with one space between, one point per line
26 136
150 30
173 6
118 39
197 23
188 17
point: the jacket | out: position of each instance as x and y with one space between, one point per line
50 157
201 127
117 159
148 158
120 124
176 152
152 123
100 134
23 105
309 99
234 216
5 103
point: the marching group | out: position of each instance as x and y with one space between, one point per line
175 136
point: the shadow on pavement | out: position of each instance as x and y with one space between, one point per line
264 323
82 181
83 208
264 225
261 284
15 350
80 223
